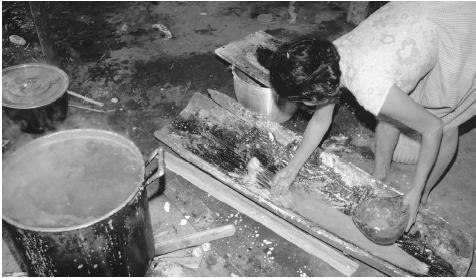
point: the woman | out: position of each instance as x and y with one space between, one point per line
411 64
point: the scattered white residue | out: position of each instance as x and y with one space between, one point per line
271 136
197 252
80 266
162 28
168 269
203 13
183 222
167 206
95 266
110 224
114 100
187 217
257 235
206 246
234 275
17 40
267 241
233 175
217 214
302 273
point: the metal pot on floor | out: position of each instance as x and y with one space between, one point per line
75 204
34 95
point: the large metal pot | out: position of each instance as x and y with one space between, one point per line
75 204
34 95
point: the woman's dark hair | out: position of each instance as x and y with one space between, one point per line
303 70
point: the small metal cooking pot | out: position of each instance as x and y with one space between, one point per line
34 95
260 99
75 204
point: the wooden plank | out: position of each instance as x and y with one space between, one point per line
242 54
286 230
194 239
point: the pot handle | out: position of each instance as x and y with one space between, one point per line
159 155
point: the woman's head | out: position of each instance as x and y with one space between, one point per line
306 70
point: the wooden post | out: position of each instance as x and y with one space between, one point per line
40 18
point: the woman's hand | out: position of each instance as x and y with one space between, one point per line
282 181
411 203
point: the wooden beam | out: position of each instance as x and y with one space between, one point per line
194 239
40 18
281 227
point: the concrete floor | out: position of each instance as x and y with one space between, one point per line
112 50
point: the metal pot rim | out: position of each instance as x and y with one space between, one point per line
46 101
77 132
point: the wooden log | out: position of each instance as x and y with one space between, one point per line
194 239
281 227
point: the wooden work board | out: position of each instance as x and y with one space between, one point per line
242 54
219 136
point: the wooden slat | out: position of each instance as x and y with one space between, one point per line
195 239
241 54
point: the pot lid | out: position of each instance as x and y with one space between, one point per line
32 85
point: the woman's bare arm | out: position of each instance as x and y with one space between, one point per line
315 131
400 109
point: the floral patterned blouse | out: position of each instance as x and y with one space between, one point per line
427 49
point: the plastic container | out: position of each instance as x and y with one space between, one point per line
381 219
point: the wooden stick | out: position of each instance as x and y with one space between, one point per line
90 100
76 105
280 226
194 239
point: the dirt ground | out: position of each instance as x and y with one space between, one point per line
112 50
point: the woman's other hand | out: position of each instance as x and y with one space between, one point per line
282 181
411 203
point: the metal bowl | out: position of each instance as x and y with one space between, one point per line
260 99
381 219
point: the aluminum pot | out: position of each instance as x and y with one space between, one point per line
262 100
75 204
34 95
